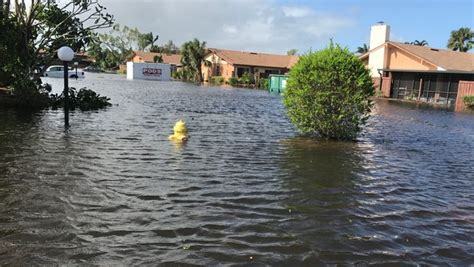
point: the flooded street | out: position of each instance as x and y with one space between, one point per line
245 189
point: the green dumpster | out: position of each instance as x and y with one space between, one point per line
277 83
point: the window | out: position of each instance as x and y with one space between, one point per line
241 71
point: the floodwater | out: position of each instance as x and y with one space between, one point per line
245 190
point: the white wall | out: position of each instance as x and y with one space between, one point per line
148 71
379 35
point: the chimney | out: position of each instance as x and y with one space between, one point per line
379 34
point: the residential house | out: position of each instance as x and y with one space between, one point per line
230 63
149 57
422 73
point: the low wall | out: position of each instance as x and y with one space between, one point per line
464 88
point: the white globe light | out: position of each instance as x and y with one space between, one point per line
65 53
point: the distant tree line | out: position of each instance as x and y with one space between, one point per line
115 47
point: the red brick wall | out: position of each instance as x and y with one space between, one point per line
464 88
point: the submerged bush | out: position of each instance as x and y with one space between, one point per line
233 81
217 80
247 79
328 94
469 101
264 83
84 99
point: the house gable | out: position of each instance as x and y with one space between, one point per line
400 59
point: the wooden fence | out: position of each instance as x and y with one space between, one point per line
465 88
386 84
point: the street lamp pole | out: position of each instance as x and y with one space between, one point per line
66 94
65 54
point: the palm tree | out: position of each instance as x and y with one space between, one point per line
193 53
146 39
363 49
420 43
158 59
461 40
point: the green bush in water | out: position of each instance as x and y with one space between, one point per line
217 80
233 81
247 79
469 101
328 94
84 99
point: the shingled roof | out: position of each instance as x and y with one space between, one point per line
149 57
255 59
447 59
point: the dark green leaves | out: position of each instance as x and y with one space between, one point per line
328 94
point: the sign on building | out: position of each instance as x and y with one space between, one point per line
148 71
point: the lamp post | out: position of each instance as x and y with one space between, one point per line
65 54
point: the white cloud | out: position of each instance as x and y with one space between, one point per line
229 29
233 24
295 12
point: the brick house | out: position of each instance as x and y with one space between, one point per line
422 73
230 63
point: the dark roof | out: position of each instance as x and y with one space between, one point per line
255 59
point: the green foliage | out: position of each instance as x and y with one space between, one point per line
362 49
233 81
114 48
247 79
31 35
169 48
193 53
264 83
158 59
328 94
469 101
292 52
84 99
217 80
183 74
178 75
145 40
461 40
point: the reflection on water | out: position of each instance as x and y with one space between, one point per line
245 189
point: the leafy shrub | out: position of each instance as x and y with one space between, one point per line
247 79
328 93
84 99
217 80
264 83
233 81
469 101
28 93
177 74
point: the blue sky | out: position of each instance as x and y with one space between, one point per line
430 20
276 26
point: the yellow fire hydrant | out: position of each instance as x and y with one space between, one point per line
180 132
